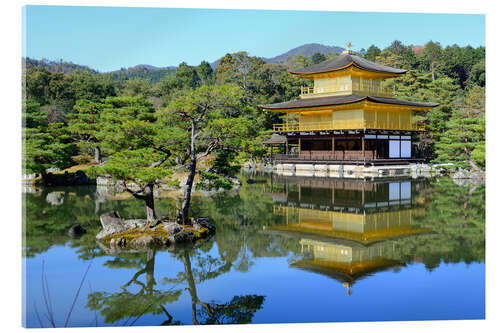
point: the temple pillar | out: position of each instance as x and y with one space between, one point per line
363 147
333 146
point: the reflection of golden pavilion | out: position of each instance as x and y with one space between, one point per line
345 225
365 212
346 263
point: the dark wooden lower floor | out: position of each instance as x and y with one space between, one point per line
387 148
341 158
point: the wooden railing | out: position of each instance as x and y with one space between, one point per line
339 155
367 88
332 125
363 88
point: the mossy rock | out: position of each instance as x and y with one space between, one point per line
156 235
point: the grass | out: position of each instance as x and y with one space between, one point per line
47 301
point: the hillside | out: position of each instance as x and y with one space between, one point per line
154 74
55 66
307 49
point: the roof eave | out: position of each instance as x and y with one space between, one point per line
403 71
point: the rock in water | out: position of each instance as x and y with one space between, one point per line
147 241
112 223
80 178
76 230
172 228
184 236
203 222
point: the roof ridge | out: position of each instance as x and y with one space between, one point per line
345 60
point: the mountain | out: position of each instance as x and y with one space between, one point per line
307 49
55 66
155 74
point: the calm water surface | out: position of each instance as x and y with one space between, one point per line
287 249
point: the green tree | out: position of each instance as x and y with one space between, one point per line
298 61
433 54
140 146
44 145
478 74
137 86
211 117
186 77
205 72
372 53
84 124
317 58
463 141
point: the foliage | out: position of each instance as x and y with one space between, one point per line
463 141
140 146
135 165
317 58
372 53
215 120
45 145
85 123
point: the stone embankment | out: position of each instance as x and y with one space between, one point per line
463 177
76 178
353 171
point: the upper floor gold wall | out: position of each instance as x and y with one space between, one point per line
357 119
347 84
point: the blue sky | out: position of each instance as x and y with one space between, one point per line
108 38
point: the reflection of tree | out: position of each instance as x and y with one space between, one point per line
46 224
127 305
239 310
456 215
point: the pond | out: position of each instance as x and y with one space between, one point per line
286 250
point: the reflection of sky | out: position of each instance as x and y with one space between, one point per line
451 291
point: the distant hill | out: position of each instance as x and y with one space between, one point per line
155 74
56 66
152 73
307 49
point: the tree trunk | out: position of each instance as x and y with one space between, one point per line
182 217
184 212
432 70
150 203
97 155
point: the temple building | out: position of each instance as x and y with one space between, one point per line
346 117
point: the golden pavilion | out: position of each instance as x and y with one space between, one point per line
347 116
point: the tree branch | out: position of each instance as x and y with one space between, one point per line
211 147
136 194
160 162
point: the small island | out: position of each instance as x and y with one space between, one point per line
137 233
